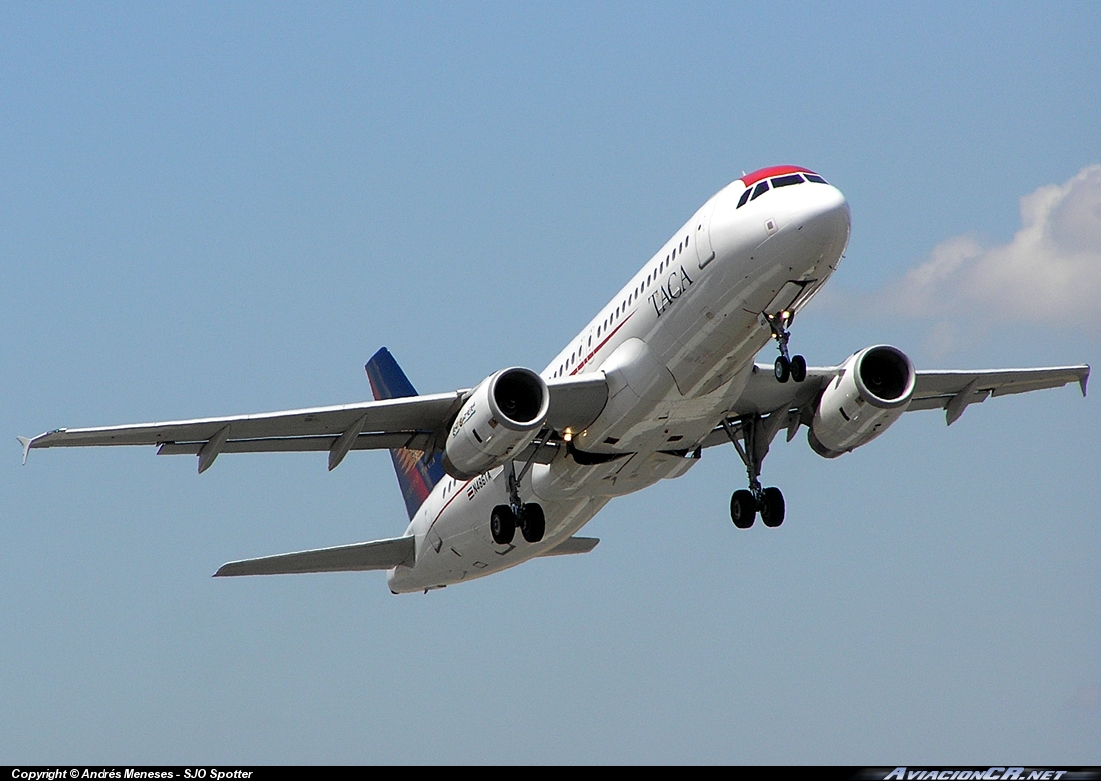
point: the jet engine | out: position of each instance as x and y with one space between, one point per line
501 417
870 393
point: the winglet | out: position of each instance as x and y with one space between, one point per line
26 443
1083 380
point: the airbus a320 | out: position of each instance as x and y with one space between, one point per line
514 467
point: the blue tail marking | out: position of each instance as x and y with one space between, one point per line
417 475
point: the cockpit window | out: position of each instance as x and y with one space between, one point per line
787 179
784 181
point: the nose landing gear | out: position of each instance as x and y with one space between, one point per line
786 366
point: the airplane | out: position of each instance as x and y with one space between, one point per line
664 371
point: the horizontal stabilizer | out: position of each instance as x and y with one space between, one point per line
572 545
380 554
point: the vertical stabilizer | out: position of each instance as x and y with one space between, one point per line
417 475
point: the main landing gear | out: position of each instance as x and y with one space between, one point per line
506 517
785 366
504 520
769 502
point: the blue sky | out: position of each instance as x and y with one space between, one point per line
214 209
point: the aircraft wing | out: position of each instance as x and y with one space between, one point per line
416 422
952 391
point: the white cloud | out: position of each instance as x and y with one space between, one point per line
1050 271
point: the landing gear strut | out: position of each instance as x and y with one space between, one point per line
769 502
528 516
785 366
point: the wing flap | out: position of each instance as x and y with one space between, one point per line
360 556
415 440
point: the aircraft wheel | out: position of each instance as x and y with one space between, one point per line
782 369
532 522
772 507
798 368
502 524
743 509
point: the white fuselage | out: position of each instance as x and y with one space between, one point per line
677 345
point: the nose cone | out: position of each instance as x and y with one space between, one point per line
786 211
821 213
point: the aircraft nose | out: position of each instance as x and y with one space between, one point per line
820 215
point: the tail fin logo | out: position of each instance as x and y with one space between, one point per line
417 475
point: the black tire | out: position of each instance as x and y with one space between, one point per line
772 507
781 369
502 524
743 509
798 368
532 522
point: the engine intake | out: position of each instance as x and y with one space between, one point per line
885 377
870 392
502 416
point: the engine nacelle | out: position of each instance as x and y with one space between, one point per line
501 417
869 394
